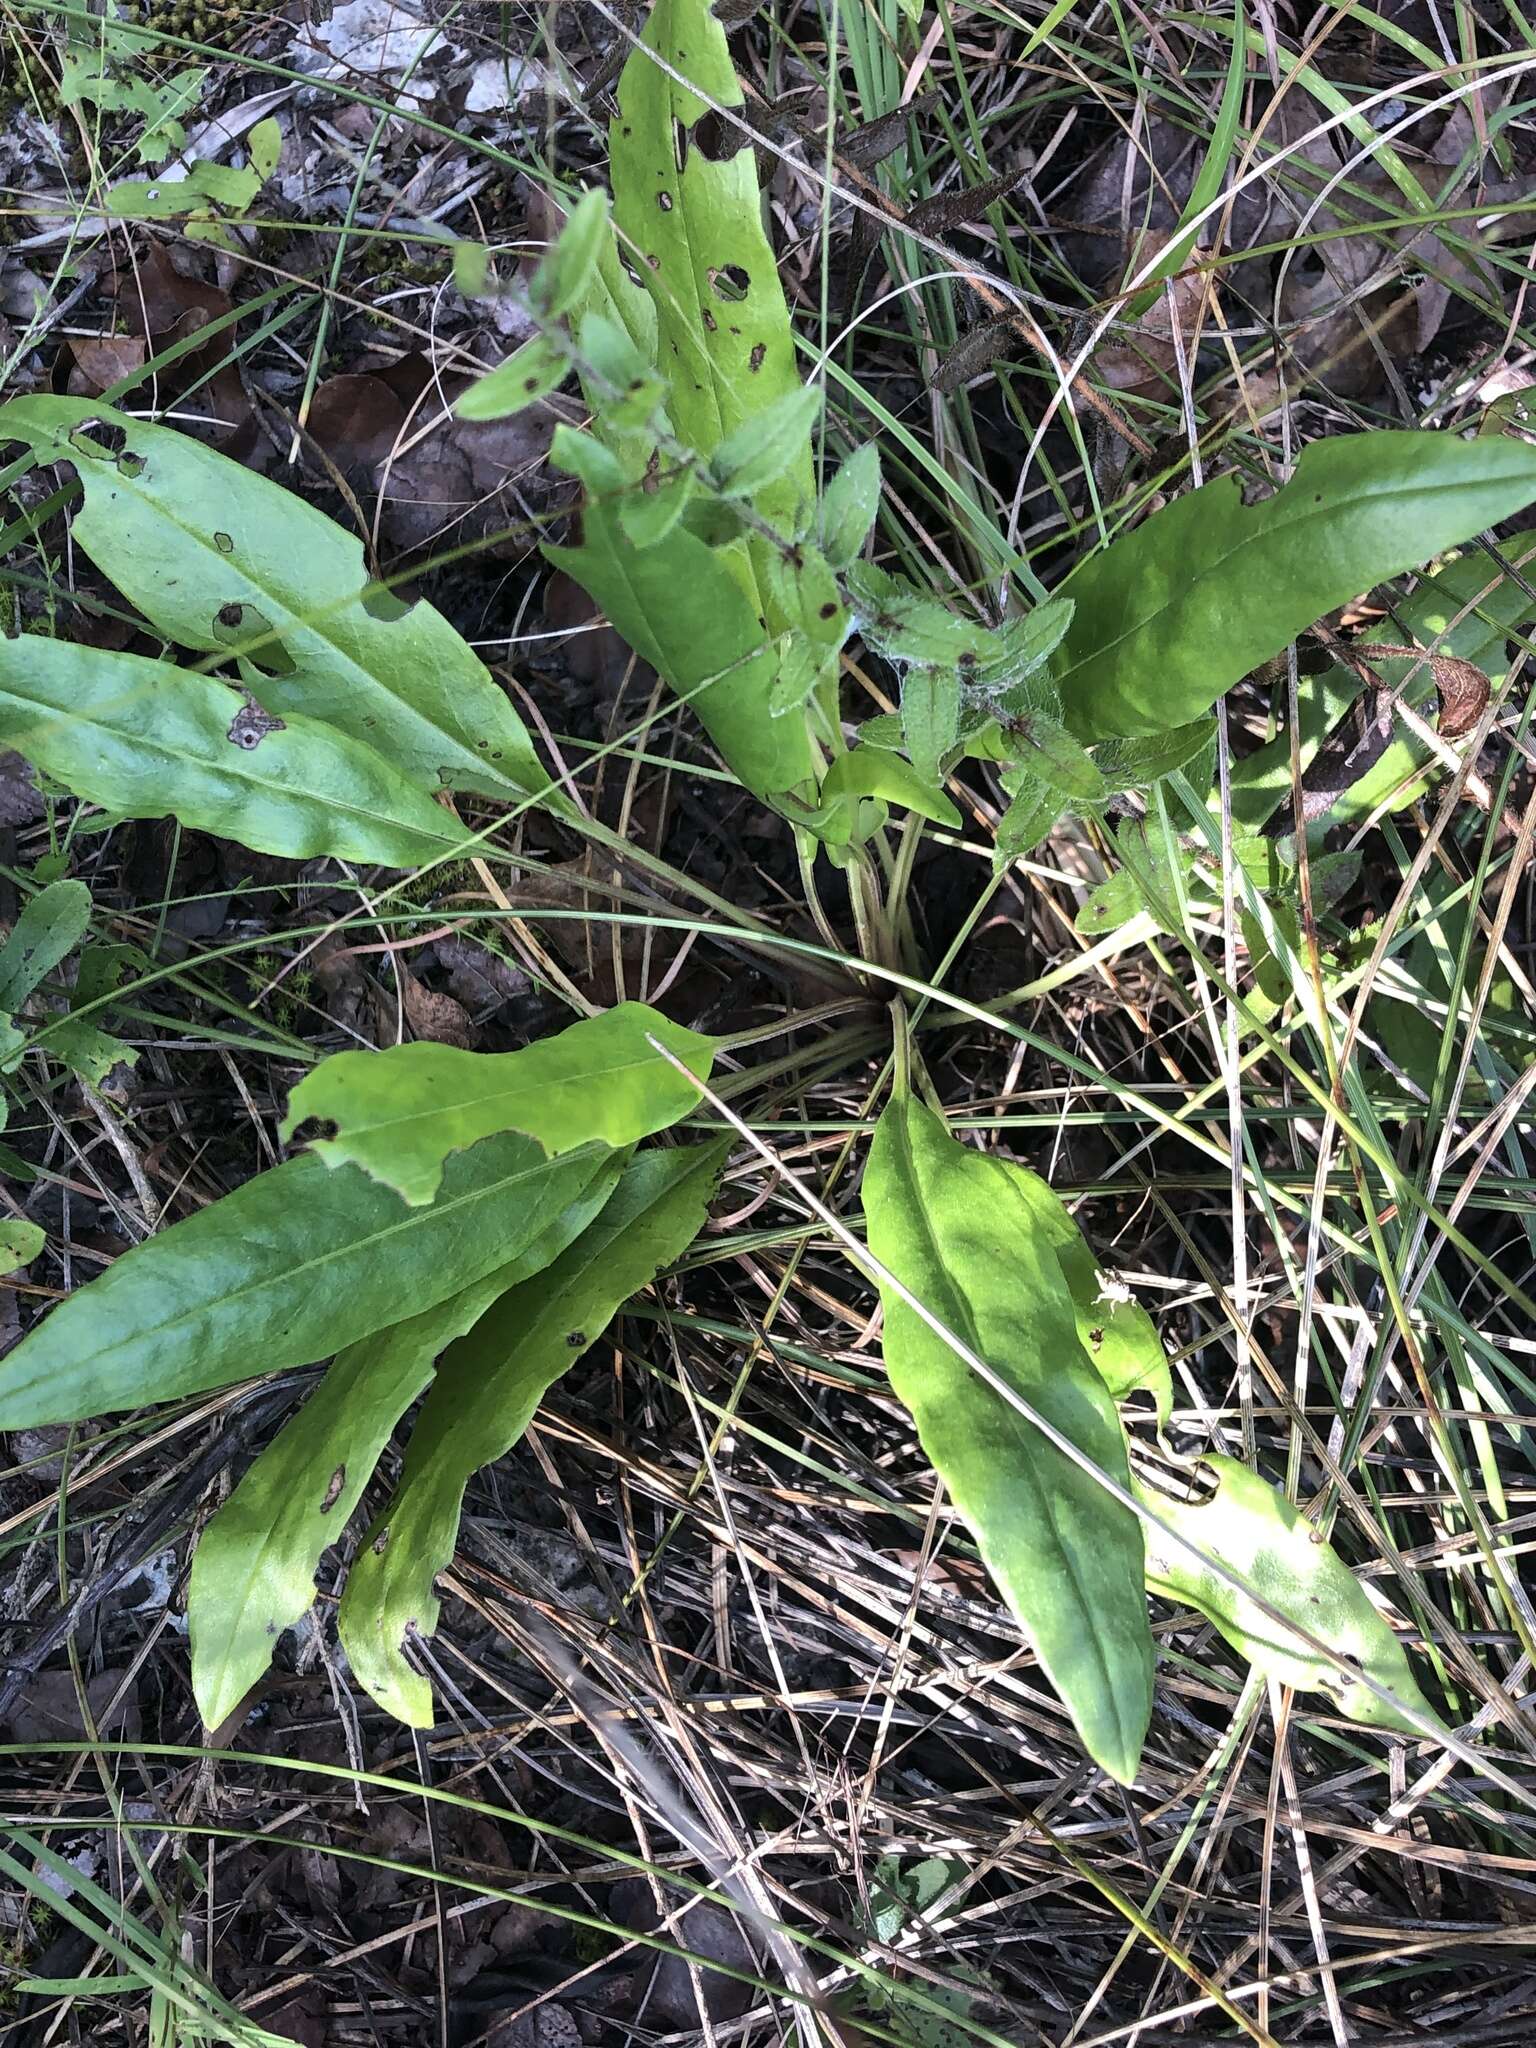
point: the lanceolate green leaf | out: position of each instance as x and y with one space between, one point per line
689 216
49 928
690 220
145 740
959 1229
254 1572
400 1113
218 557
289 1268
488 1386
680 607
1260 1537
849 506
1170 616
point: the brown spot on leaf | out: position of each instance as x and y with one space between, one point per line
250 725
755 360
338 1480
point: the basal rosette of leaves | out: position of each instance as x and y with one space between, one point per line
450 1223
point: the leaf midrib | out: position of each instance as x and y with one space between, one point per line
282 794
292 1275
1086 1606
1261 531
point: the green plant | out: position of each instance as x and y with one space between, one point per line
103 66
466 1224
900 1895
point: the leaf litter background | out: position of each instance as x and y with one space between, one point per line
709 1613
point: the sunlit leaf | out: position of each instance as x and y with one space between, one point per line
20 1242
219 557
400 1113
679 606
147 740
292 1266
1248 1526
964 1234
1171 615
253 1574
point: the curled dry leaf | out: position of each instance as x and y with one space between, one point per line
1142 360
1463 688
432 1014
156 305
388 430
974 352
98 361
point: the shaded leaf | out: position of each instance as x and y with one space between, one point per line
488 1387
400 1113
873 141
1259 1535
565 273
963 1232
528 374
253 1574
1139 763
1054 758
195 539
145 740
946 211
976 350
289 1268
849 506
1171 615
1153 876
52 923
